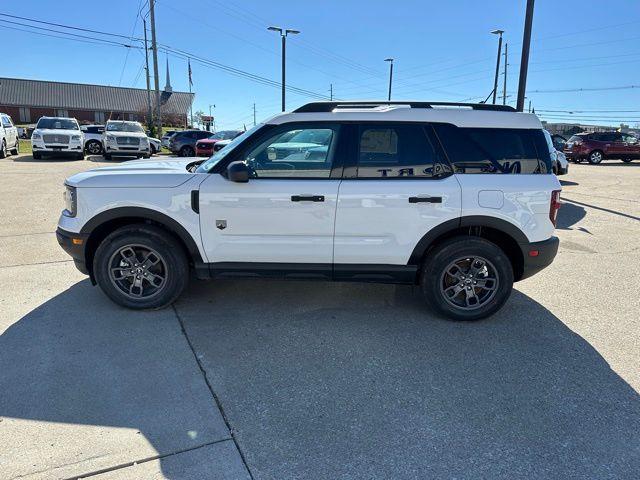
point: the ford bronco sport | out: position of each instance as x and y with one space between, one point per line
456 198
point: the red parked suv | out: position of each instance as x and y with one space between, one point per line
204 147
596 147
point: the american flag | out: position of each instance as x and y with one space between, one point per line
190 79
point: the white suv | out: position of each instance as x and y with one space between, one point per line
9 141
456 198
123 139
57 136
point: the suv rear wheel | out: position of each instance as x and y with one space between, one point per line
187 151
141 267
466 278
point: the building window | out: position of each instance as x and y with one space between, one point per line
24 114
132 117
62 113
99 117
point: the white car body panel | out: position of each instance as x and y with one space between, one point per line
70 146
263 224
110 139
376 224
8 134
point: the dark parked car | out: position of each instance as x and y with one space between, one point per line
183 143
599 146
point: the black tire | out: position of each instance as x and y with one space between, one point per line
595 157
187 151
3 150
93 147
434 279
36 155
107 156
153 149
627 160
172 264
16 149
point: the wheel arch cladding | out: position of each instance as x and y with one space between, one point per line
106 222
504 234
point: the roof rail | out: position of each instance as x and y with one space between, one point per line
330 106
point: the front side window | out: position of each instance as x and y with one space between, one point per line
6 122
494 150
395 151
295 153
58 124
217 157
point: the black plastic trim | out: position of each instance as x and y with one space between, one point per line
468 221
148 214
375 273
318 107
547 251
195 200
76 252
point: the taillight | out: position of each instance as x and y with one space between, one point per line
554 206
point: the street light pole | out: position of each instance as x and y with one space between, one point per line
156 77
146 59
495 80
390 60
524 60
504 85
211 121
283 35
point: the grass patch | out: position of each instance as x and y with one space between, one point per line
25 146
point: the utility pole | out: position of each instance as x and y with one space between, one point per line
156 78
146 59
283 35
524 60
212 122
495 80
331 91
254 114
504 85
390 60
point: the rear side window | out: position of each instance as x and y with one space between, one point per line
495 150
395 151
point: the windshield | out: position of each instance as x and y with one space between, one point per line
124 127
58 124
575 138
220 154
225 135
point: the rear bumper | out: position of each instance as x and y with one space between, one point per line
74 244
534 262
563 170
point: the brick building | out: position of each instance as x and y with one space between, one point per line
28 100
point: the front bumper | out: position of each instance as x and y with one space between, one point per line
538 255
126 151
74 244
56 149
563 170
203 152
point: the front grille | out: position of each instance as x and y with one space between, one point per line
127 140
56 138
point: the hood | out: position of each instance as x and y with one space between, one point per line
126 134
57 131
136 174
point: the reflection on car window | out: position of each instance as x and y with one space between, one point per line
133 127
57 124
293 154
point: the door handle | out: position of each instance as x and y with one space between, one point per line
425 199
307 198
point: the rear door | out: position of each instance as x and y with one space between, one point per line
11 132
285 213
396 188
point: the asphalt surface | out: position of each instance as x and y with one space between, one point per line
287 380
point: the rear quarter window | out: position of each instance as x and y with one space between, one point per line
495 150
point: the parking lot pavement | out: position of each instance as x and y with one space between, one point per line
320 380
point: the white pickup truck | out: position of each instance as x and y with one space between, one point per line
9 141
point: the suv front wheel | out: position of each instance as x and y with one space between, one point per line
141 267
466 278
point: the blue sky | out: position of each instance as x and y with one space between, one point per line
443 51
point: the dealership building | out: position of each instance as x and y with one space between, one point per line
28 100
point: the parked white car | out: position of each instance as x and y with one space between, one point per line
125 139
459 200
9 140
559 162
93 138
57 136
155 145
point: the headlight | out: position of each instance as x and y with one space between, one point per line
76 138
36 136
70 201
111 139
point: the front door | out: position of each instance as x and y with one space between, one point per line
11 132
285 213
396 189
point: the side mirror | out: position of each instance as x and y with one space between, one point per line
238 172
